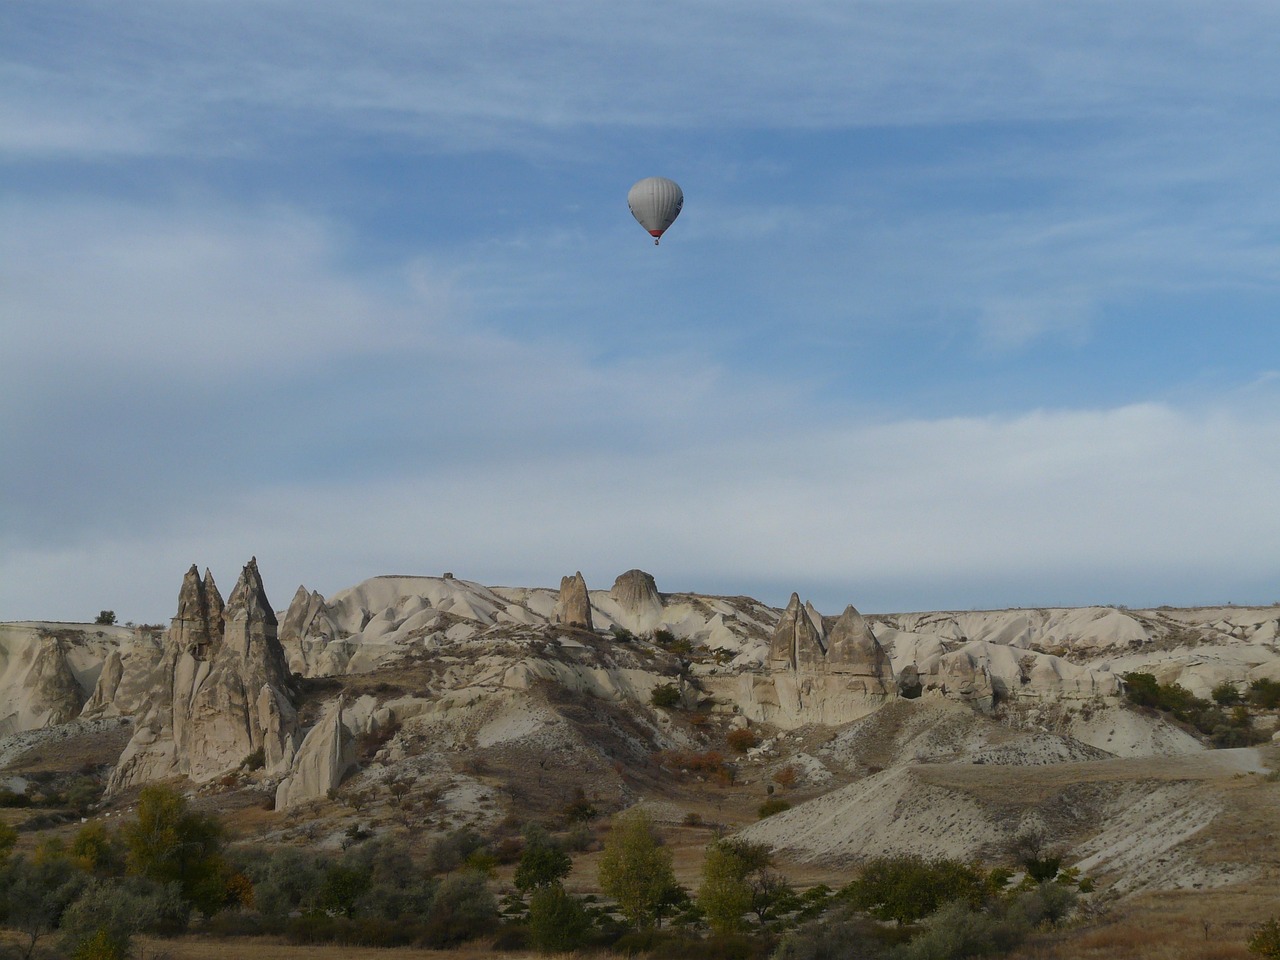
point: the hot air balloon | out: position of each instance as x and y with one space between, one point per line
655 202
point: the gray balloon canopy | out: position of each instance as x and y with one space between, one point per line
655 202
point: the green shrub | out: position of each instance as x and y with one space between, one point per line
908 888
558 922
1265 694
1265 940
1225 694
772 806
666 696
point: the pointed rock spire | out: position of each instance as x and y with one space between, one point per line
574 608
796 643
853 649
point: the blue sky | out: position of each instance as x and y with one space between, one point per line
970 304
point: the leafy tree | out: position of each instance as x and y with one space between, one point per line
105 618
33 897
97 850
737 879
635 870
462 908
343 884
104 918
542 863
169 842
558 921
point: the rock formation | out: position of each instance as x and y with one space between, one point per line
40 689
221 689
307 630
325 756
797 642
574 608
852 651
637 597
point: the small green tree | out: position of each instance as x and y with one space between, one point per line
737 879
169 842
542 863
558 921
105 618
635 870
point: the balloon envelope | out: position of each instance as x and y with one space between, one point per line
655 202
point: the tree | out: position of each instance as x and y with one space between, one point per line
541 864
8 837
105 618
558 921
33 897
168 843
737 879
635 870
462 908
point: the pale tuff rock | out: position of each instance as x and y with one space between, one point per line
636 594
40 687
221 690
307 631
323 759
852 650
124 685
796 643
574 608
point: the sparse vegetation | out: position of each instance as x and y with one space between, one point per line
105 618
1223 730
665 696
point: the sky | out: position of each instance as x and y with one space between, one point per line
970 305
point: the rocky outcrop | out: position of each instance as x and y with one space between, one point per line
221 690
854 652
306 632
574 608
324 758
636 594
797 641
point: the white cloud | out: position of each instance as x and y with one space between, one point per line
1139 503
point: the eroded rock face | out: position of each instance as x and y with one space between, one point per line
574 608
797 641
636 594
852 650
220 692
322 760
309 627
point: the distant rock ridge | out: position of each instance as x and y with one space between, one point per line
574 608
221 691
